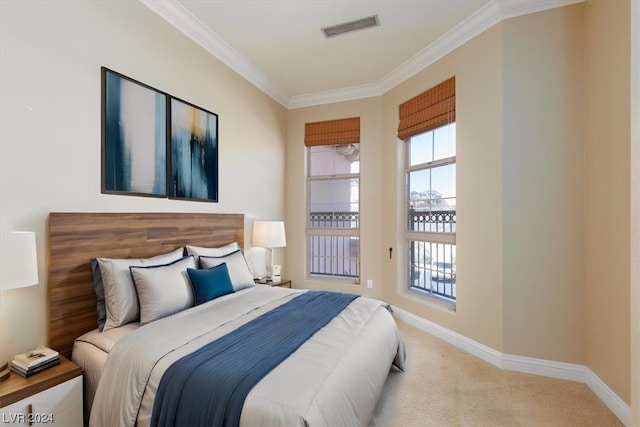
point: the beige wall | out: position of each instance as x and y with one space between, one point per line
51 54
635 213
530 160
543 185
477 67
607 204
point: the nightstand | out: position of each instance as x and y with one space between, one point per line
280 284
51 397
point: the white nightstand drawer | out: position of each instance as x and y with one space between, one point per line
64 400
68 417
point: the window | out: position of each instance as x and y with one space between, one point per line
333 188
428 123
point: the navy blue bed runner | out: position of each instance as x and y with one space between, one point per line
210 385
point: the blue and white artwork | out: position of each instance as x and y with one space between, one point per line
193 152
134 121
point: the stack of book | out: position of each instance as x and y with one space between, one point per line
4 370
34 361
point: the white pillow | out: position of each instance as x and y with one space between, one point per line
220 251
164 289
121 298
239 272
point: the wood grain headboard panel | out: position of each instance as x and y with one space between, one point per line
76 238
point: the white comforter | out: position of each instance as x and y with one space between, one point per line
335 378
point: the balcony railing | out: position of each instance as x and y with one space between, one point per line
339 256
334 256
334 220
441 220
432 265
434 281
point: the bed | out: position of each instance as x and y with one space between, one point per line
285 356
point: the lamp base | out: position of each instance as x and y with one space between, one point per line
275 269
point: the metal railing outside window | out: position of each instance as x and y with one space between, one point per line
432 269
331 255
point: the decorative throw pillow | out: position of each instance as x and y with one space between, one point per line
210 283
163 289
120 297
239 272
220 251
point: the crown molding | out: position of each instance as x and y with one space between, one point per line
486 17
482 20
338 95
511 9
175 14
492 13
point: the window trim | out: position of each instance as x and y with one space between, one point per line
428 165
323 231
428 237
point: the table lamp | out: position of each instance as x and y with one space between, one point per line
269 235
19 269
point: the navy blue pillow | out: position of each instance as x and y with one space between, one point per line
210 283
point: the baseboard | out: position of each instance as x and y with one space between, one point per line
530 365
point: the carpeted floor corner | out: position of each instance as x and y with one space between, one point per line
445 386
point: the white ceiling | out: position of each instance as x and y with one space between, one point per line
278 45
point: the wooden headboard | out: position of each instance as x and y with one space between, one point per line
76 238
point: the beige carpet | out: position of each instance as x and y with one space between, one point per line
445 386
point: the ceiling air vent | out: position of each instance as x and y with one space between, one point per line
347 27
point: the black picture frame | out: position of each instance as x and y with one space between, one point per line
192 172
134 137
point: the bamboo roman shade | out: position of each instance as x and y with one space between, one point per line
429 110
332 132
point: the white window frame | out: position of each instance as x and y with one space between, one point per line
351 232
428 237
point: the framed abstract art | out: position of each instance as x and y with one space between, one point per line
154 144
193 152
134 137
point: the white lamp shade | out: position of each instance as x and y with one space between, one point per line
269 234
19 260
